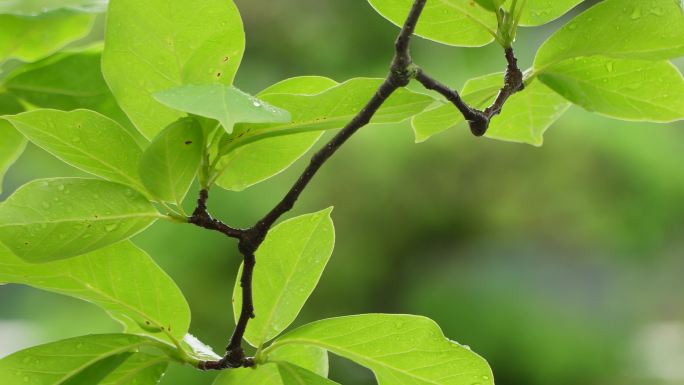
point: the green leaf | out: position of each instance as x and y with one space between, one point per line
524 118
155 45
86 140
124 368
308 357
255 162
31 39
624 89
64 361
68 81
654 31
328 110
291 261
538 12
170 163
295 375
122 279
13 143
261 160
52 219
300 85
528 114
37 7
453 22
226 104
399 349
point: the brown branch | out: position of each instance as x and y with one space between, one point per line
400 74
479 120
402 70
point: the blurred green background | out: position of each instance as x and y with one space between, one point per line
561 265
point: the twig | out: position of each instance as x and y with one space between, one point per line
402 70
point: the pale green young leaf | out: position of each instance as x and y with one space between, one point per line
61 362
53 219
226 104
528 114
198 349
13 143
310 358
624 89
399 349
86 140
291 261
629 29
248 165
300 85
122 279
170 163
524 118
68 81
295 375
31 39
261 160
155 45
37 7
453 22
264 374
538 12
328 110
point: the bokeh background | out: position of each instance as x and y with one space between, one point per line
561 265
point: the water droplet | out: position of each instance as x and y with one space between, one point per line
111 227
609 66
45 205
636 14
256 104
60 187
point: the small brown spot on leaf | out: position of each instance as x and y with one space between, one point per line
218 74
225 59
188 142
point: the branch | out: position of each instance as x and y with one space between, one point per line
402 70
400 74
479 120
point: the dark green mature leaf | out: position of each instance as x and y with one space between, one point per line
86 140
399 349
291 262
308 357
629 29
53 219
524 118
13 143
226 104
624 89
452 22
258 161
37 7
65 362
155 45
31 39
122 279
170 163
295 375
68 81
328 110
